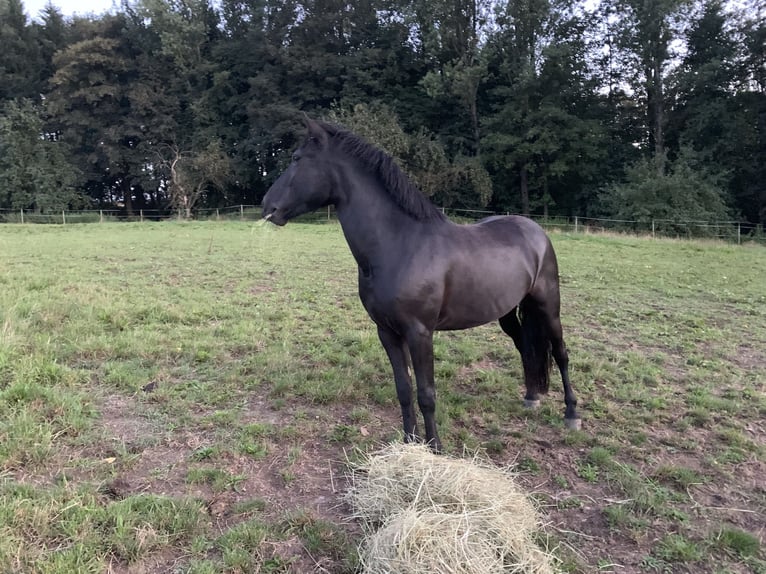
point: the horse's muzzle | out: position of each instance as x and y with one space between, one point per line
274 215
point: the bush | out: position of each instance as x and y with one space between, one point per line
670 195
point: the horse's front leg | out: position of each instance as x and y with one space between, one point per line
420 342
396 349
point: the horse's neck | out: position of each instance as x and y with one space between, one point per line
371 220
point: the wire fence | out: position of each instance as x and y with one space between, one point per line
730 231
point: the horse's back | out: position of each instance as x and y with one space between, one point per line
517 223
526 236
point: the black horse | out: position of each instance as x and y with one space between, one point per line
419 272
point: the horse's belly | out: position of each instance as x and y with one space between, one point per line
473 303
459 323
454 319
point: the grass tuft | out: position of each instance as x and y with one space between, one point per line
738 542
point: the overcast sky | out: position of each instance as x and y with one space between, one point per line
68 7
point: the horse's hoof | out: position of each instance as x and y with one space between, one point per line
531 403
573 424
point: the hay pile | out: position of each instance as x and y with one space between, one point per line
429 514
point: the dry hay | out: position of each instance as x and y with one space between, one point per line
429 514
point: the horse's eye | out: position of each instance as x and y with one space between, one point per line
296 156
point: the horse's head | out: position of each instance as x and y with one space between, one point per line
306 184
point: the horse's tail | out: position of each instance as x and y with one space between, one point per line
535 347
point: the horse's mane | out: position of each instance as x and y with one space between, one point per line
397 184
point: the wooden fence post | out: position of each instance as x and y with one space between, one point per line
576 224
22 215
63 217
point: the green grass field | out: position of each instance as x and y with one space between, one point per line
183 398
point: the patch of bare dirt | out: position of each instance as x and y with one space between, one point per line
751 358
121 422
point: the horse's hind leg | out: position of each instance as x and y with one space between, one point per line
511 326
561 356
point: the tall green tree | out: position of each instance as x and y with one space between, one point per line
716 106
108 101
53 34
544 137
180 38
749 173
249 94
621 109
701 88
35 173
315 54
451 36
20 60
515 53
702 115
645 30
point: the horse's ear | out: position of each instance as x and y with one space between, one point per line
315 130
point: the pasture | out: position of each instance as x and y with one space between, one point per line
184 398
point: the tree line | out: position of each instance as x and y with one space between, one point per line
631 109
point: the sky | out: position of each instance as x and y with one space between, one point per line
69 7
